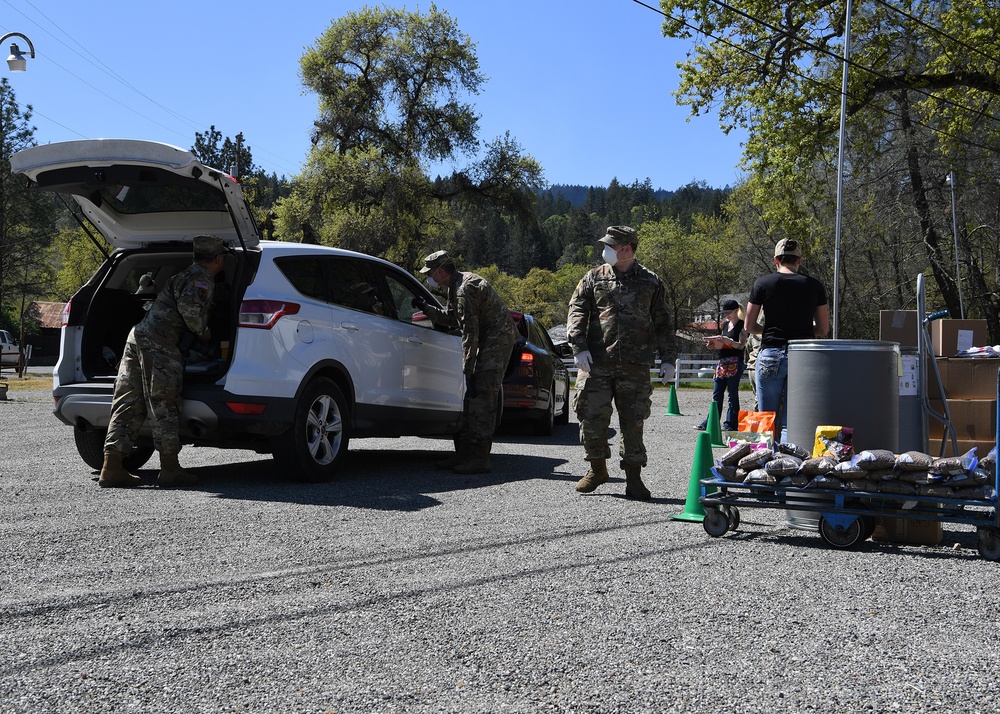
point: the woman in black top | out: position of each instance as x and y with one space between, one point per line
729 370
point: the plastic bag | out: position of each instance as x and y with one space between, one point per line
758 422
818 465
786 447
835 441
735 453
955 465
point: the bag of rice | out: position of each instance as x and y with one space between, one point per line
876 459
735 453
817 465
795 481
862 485
827 480
756 459
914 461
955 465
901 488
935 489
920 478
798 452
984 491
726 473
783 465
989 462
760 476
849 470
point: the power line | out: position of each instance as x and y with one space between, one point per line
93 60
937 31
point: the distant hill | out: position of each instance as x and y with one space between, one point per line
578 194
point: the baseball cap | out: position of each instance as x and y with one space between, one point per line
616 235
207 246
436 260
788 246
730 305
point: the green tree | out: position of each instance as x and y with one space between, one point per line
26 218
922 99
391 87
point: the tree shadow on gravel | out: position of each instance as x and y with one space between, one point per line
397 480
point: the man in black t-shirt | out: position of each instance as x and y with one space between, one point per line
795 308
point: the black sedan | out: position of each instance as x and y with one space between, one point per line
536 386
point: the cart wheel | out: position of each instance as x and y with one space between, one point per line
867 526
989 545
842 537
733 515
716 523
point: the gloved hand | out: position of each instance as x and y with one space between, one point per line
583 361
419 303
470 387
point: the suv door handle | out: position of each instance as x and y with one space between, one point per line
349 326
415 340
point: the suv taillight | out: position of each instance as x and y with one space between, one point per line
264 313
65 313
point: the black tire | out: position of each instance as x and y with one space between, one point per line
563 417
843 538
716 523
989 544
315 446
543 425
90 445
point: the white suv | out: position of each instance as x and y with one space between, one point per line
311 346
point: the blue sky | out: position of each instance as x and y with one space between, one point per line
583 85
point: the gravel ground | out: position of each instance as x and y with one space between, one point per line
398 588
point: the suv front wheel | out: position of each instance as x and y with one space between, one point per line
316 443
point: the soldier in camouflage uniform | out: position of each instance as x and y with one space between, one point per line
617 321
151 372
488 336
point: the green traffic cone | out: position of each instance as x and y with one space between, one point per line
714 428
672 408
701 468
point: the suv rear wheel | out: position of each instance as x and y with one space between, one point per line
316 443
90 445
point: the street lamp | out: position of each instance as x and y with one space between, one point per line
16 62
950 180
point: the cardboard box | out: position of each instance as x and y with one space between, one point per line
968 377
964 445
949 337
973 419
898 326
905 530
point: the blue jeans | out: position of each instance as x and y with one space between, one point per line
720 388
772 374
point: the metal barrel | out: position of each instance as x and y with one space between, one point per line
852 383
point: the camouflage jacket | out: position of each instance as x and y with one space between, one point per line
619 317
183 304
476 308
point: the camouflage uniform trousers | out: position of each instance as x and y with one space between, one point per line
149 382
627 386
481 410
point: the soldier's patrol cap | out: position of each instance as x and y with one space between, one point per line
208 246
788 246
436 260
617 235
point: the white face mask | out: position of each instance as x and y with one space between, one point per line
609 255
431 282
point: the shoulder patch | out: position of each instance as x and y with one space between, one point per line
201 284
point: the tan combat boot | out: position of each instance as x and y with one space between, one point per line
461 455
478 461
597 475
634 487
172 475
114 475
